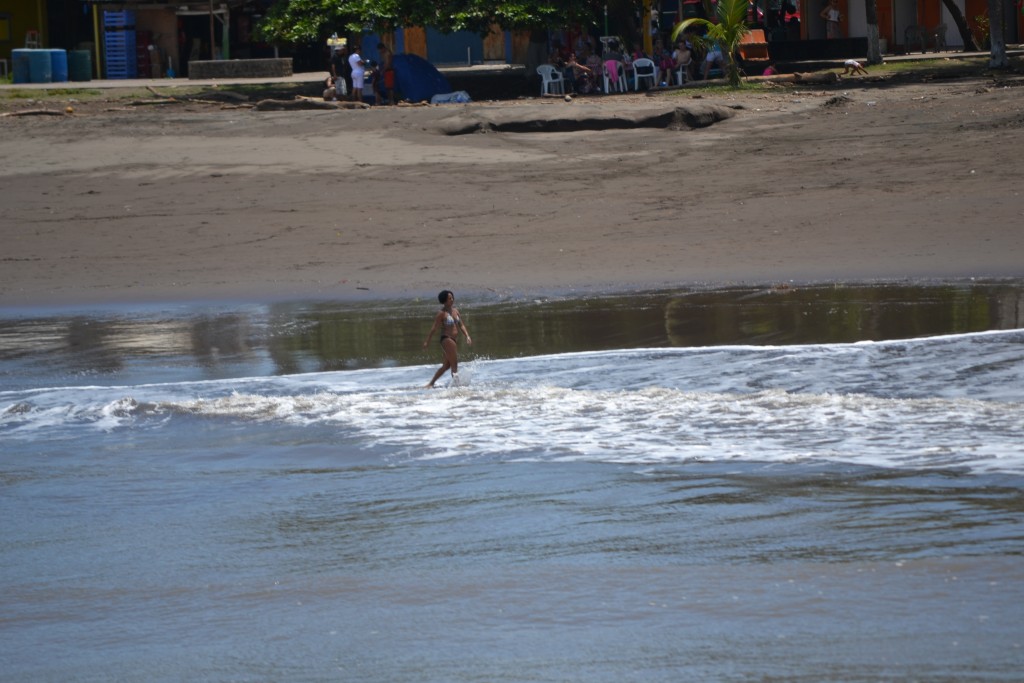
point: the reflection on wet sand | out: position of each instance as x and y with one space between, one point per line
835 315
304 337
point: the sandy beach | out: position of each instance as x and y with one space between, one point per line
219 461
854 182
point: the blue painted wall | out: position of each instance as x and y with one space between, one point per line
450 48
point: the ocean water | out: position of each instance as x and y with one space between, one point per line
267 493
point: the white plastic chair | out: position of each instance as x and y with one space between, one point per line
938 35
644 69
619 84
681 72
552 81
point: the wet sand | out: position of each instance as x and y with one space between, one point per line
128 345
856 183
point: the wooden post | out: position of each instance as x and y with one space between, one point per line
213 42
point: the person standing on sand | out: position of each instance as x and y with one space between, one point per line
358 73
386 74
449 322
832 17
341 72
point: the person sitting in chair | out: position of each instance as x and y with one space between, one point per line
581 78
681 58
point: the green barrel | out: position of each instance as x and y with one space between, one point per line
80 65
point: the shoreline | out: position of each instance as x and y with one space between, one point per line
481 298
133 344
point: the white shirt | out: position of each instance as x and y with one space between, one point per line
355 61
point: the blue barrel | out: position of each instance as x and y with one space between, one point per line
58 65
40 70
80 65
20 63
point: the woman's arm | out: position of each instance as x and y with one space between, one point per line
433 328
469 340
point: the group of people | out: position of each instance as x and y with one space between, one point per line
580 67
353 78
584 64
688 60
584 72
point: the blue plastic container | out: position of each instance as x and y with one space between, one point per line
121 54
20 65
122 19
58 65
40 70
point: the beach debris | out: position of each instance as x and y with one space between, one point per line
225 95
38 112
809 78
301 103
818 78
217 97
837 101
145 103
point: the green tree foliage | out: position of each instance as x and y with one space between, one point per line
727 29
306 20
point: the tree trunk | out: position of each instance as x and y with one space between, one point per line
871 11
999 60
961 26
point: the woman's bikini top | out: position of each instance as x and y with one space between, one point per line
449 321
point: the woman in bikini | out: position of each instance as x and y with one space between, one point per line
448 321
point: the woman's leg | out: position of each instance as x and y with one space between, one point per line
451 355
437 375
451 360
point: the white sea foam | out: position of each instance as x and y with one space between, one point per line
944 402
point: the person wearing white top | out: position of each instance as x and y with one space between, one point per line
358 72
832 17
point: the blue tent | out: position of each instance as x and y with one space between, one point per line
417 79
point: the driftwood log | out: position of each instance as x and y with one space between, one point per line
305 103
36 112
813 78
209 97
